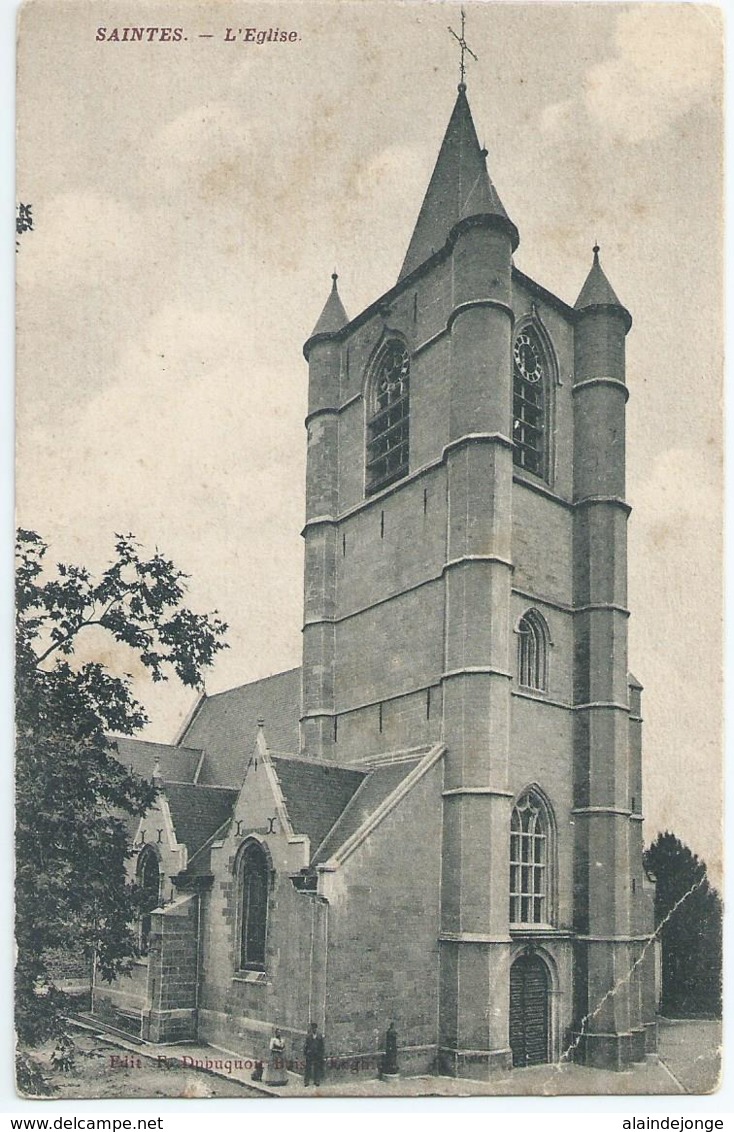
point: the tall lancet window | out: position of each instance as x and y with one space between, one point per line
532 651
388 422
529 404
529 857
254 880
149 879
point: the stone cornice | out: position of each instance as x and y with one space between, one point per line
472 304
476 438
472 937
605 811
541 489
459 791
592 382
466 559
606 308
603 500
324 411
475 670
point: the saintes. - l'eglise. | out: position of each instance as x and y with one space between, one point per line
437 819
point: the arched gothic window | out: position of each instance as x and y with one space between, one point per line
529 861
388 424
254 884
149 880
529 409
532 651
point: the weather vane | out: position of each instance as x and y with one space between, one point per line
461 40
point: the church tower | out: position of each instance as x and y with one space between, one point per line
465 585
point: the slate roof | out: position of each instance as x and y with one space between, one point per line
597 290
177 764
325 802
315 793
333 317
378 784
198 812
225 725
459 187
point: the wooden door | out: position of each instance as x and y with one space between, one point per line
529 1011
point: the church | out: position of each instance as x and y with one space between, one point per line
437 820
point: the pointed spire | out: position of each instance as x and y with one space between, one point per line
333 317
597 291
460 187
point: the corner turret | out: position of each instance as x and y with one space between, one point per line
600 390
607 785
323 351
597 293
331 320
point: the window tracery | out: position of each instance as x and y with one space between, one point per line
529 861
388 427
532 650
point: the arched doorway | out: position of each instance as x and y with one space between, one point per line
529 1009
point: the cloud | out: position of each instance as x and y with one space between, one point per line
195 444
389 184
202 134
559 118
392 172
181 420
208 151
668 59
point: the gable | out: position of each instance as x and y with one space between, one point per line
223 725
315 794
197 812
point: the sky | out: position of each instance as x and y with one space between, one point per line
190 201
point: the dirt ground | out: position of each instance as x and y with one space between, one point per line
688 1061
106 1071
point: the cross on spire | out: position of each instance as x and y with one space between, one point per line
461 40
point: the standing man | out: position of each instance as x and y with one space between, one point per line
313 1052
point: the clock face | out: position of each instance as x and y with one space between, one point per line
527 358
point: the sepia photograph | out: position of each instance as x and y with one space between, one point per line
369 558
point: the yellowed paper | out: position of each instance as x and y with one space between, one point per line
416 798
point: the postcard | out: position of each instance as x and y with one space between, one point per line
369 506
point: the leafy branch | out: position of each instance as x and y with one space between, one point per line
75 801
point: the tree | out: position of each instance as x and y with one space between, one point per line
23 221
692 937
74 799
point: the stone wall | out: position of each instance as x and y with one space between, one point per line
383 936
124 1002
239 1009
172 972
